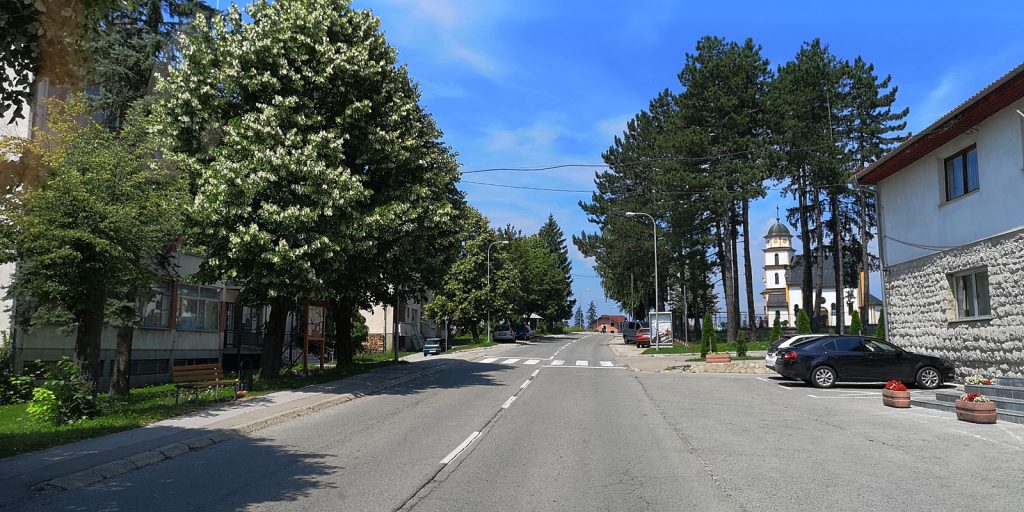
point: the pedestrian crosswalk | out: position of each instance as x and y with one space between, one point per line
547 362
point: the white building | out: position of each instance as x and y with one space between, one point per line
952 233
20 128
783 285
412 324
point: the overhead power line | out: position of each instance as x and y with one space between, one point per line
502 185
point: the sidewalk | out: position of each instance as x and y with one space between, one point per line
89 461
630 356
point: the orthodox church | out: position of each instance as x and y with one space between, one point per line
783 284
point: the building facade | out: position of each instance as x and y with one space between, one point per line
412 324
952 233
783 285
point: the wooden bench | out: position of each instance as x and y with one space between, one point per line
199 376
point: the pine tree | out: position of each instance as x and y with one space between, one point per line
803 322
579 317
707 336
776 334
553 238
591 315
855 325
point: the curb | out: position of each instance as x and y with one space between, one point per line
117 467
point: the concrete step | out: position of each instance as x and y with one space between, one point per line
941 403
996 390
1017 382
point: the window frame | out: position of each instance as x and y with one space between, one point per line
965 172
962 314
185 295
164 291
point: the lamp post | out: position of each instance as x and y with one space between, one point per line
657 306
500 242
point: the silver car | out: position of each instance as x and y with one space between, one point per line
773 352
504 333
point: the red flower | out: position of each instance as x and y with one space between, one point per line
895 385
971 396
987 382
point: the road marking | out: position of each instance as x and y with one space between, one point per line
458 449
606 363
527 383
534 374
582 363
510 361
557 362
764 379
508 403
532 361
489 360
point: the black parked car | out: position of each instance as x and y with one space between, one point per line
830 359
524 333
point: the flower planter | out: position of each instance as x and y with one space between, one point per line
976 412
897 399
718 358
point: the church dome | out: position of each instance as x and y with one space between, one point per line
778 231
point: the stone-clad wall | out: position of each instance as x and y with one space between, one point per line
921 306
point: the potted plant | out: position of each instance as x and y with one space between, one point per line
718 357
977 380
895 394
975 408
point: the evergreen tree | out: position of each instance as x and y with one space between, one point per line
591 315
803 322
880 328
776 334
707 336
552 237
855 325
579 317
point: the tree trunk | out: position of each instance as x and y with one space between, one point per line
837 261
807 287
273 338
748 273
819 300
87 338
734 256
725 266
343 320
120 383
475 329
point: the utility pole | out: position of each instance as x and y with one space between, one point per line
657 305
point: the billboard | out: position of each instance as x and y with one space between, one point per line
662 323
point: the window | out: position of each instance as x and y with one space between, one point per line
198 308
157 312
876 345
796 309
846 345
833 309
776 276
149 366
776 261
971 291
962 173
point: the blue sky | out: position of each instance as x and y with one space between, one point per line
536 82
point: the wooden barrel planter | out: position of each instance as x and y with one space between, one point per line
897 399
976 412
718 358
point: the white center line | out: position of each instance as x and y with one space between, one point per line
510 361
606 363
489 360
458 449
508 403
557 362
582 363
534 374
527 383
532 361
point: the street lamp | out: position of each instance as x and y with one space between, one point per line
500 242
657 306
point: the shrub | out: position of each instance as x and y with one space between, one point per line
65 397
803 323
707 336
776 334
855 325
880 328
14 389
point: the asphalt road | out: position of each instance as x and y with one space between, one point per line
583 433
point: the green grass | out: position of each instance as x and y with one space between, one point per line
466 342
694 348
19 433
379 356
734 358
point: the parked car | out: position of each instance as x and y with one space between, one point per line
774 348
504 333
524 333
434 346
643 337
827 360
629 330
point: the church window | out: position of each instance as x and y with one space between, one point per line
776 262
776 276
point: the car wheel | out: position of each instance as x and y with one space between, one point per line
928 378
823 377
